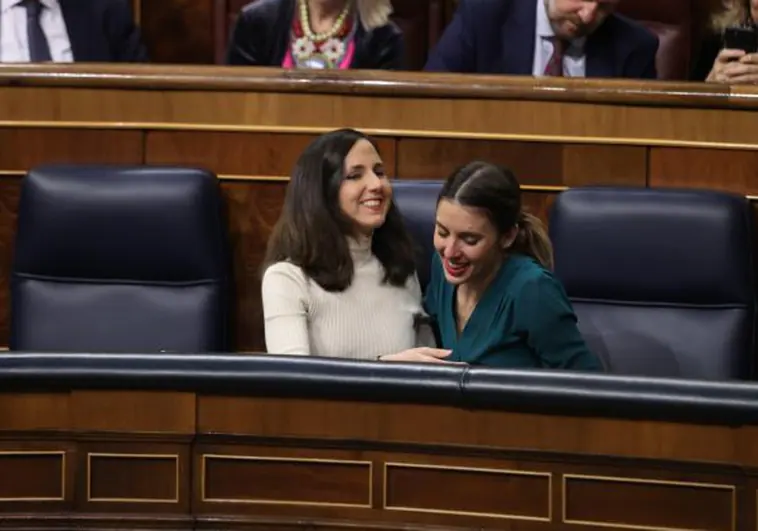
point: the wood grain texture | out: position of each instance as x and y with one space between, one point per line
253 211
25 148
534 163
253 462
732 171
243 154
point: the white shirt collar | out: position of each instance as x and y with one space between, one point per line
545 29
6 5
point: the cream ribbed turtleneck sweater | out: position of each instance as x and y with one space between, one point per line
368 319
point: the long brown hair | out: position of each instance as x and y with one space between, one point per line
496 191
312 230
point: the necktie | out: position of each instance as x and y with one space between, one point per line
554 66
39 50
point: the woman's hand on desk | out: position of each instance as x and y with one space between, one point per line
734 66
422 355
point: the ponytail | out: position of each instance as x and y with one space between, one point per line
532 240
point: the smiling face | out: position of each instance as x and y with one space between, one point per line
365 193
468 243
572 19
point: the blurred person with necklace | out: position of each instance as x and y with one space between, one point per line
317 34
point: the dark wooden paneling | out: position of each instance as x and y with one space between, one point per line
246 154
10 192
730 170
296 480
652 504
535 163
138 474
133 478
539 203
143 411
178 31
34 411
25 148
28 475
253 211
495 493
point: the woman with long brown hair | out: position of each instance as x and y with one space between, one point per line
339 274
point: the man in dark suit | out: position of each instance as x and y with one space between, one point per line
65 31
572 38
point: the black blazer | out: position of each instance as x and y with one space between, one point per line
103 31
262 34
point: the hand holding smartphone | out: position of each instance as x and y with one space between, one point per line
743 38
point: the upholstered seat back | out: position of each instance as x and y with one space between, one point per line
417 202
120 259
662 280
673 22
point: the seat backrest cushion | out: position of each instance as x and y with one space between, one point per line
120 259
662 280
417 202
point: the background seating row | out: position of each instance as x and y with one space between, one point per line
178 33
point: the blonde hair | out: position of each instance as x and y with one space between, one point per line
374 13
731 13
532 239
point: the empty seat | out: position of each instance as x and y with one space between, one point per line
662 280
120 259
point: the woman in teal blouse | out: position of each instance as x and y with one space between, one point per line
491 293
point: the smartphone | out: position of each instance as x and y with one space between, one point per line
741 38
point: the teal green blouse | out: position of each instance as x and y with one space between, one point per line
523 320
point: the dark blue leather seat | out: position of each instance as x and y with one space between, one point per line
120 259
662 280
417 202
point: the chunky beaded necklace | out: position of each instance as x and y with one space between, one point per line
319 50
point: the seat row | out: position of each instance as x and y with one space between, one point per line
663 281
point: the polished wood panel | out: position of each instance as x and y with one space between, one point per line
732 171
649 504
251 155
253 209
132 478
253 462
32 476
251 478
171 413
488 492
535 163
26 148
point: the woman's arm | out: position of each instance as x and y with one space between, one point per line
284 292
544 312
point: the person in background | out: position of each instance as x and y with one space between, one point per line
339 274
717 64
317 34
66 31
491 291
570 38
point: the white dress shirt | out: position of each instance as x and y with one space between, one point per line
14 46
574 60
